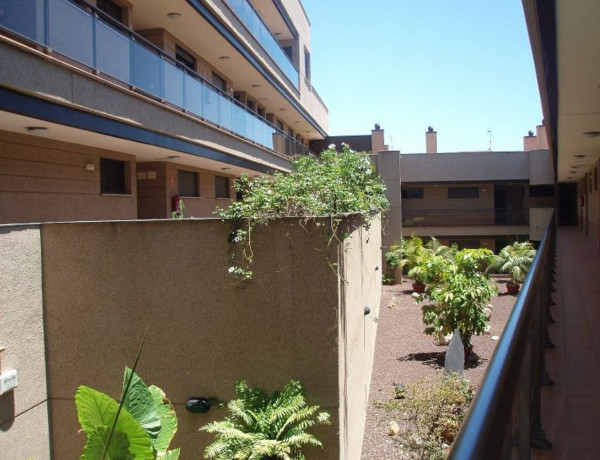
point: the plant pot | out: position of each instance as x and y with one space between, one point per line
512 288
419 288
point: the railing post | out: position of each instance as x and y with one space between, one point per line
526 377
538 368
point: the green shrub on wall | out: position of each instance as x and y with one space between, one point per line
330 185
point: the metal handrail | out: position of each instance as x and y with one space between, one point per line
504 419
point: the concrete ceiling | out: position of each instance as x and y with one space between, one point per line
578 66
143 152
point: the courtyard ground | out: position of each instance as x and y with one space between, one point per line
404 354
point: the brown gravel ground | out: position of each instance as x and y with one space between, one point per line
404 354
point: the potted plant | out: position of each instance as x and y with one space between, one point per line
515 260
393 266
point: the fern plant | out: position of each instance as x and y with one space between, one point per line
263 427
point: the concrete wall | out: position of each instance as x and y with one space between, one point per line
23 411
465 166
541 167
388 167
104 282
45 180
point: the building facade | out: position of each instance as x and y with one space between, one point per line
472 199
111 108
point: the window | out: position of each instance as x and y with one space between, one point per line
411 193
288 50
250 104
221 187
185 58
260 111
536 191
463 192
112 176
280 125
466 243
111 9
187 183
219 82
306 64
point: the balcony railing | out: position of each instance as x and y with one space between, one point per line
86 35
504 419
246 13
465 217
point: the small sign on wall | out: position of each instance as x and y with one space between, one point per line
8 381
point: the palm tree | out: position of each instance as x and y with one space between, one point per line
262 427
515 260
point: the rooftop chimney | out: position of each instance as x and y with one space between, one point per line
536 142
377 141
431 140
529 142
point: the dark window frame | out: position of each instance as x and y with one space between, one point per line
218 187
112 9
112 177
412 193
457 193
541 191
219 82
186 182
185 58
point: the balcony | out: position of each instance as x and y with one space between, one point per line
465 217
255 25
540 389
87 36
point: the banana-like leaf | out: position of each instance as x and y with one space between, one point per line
170 455
168 421
95 409
139 403
118 449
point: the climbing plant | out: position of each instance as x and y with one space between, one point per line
332 184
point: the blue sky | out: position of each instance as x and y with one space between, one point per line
461 66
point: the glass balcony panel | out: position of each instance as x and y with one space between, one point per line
173 84
24 17
261 33
239 120
71 31
146 70
226 113
210 104
193 96
113 52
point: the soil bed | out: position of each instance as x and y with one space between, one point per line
404 354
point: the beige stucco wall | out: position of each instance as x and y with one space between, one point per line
465 166
104 282
388 167
45 180
362 273
541 167
538 221
23 411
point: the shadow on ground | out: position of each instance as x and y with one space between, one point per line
436 359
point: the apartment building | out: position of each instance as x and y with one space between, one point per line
473 199
111 109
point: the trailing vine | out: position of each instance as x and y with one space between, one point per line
333 184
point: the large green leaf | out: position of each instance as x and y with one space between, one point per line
95 409
168 420
170 455
118 449
139 403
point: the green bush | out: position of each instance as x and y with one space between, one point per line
459 291
330 185
262 427
433 409
514 259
